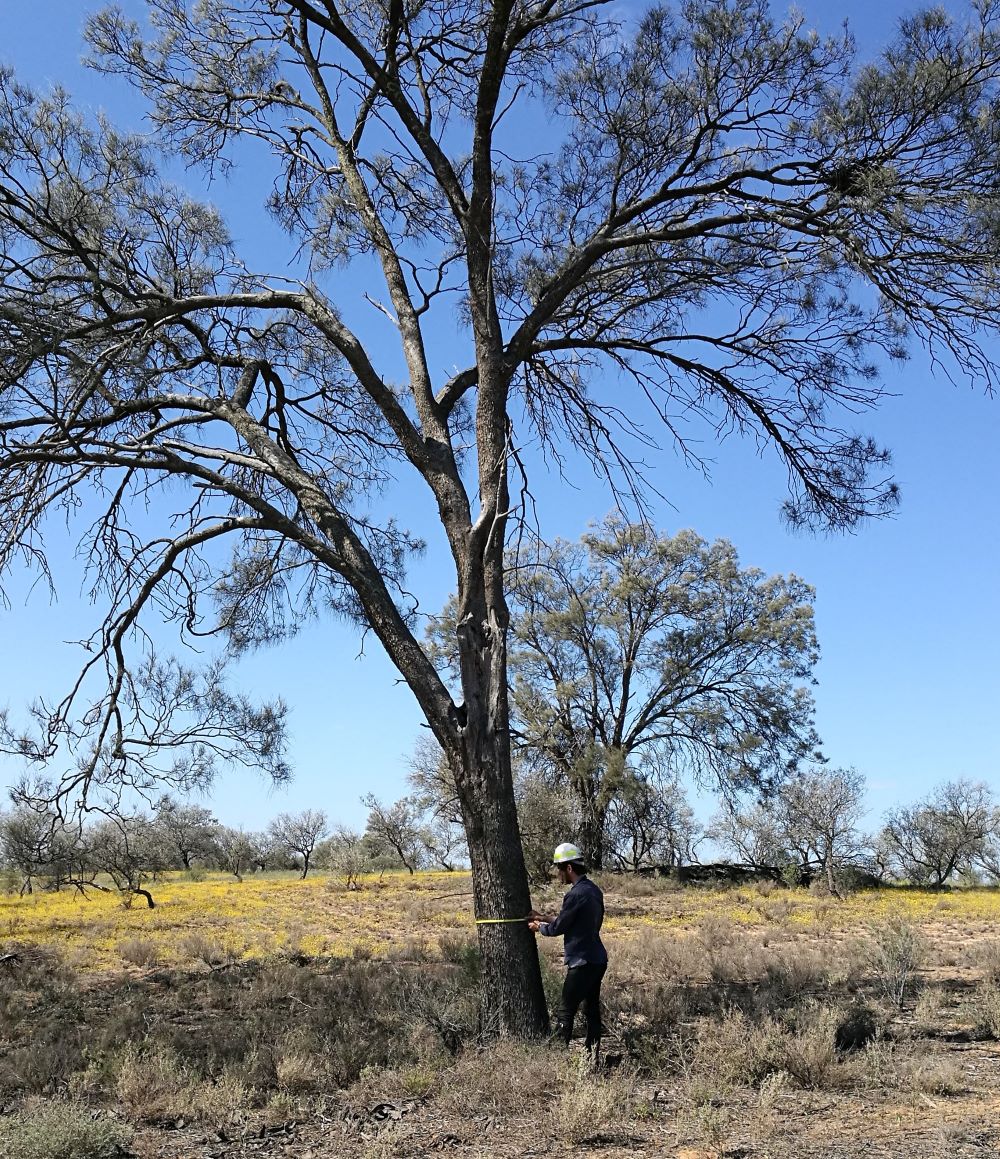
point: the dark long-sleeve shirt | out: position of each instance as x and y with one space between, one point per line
579 922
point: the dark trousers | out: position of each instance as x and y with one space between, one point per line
582 988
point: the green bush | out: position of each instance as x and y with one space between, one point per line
61 1130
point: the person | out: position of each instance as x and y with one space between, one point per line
579 924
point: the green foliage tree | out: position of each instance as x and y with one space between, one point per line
189 829
633 651
729 216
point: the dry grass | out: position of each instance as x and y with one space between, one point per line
232 1007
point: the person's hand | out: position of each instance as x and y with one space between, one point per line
535 916
534 924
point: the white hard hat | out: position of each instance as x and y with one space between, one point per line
566 852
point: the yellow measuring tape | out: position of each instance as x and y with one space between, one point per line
499 921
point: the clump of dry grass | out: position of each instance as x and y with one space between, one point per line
931 1002
735 1051
933 1075
987 1009
987 958
159 1087
298 1065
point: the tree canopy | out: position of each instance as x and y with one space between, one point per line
642 654
729 223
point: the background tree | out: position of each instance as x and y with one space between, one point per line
37 846
433 793
729 216
753 834
650 822
130 849
237 851
298 834
548 815
348 853
946 832
397 828
819 813
811 825
190 829
632 648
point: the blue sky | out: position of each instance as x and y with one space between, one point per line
906 609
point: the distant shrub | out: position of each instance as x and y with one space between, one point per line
60 1130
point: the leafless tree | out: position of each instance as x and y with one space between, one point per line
298 834
651 823
811 824
727 220
819 815
751 833
947 831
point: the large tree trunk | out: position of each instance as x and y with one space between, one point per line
513 997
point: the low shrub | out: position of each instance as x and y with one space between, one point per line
61 1129
143 952
590 1106
857 1026
894 954
987 1009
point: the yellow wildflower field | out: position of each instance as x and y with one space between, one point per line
254 918
398 915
